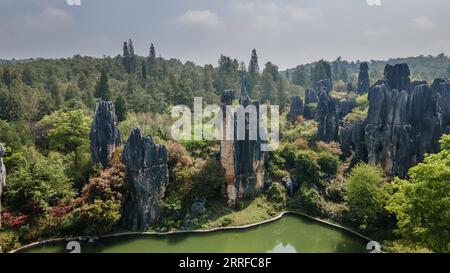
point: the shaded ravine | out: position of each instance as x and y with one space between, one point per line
280 234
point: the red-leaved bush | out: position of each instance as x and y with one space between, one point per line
13 221
61 210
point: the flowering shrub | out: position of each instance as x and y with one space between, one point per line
61 210
13 221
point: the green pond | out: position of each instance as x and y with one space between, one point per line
286 235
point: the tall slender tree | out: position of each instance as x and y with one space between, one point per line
102 90
144 70
126 57
152 53
121 108
132 57
253 71
253 67
152 60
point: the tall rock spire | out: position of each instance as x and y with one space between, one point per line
104 135
148 178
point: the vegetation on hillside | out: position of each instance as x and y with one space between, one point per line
54 189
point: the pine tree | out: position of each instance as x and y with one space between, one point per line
126 57
121 108
253 71
152 60
321 71
299 76
152 54
144 70
132 57
253 67
102 89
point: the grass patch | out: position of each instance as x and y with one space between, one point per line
252 211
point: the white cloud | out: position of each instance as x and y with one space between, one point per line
423 24
374 2
50 19
200 18
73 2
285 13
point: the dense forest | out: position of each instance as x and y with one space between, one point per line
53 187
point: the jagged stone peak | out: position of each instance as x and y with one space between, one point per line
245 98
147 177
297 108
397 76
364 66
324 85
105 134
140 151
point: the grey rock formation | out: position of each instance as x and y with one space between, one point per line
403 122
296 110
311 96
397 76
290 185
147 175
104 135
325 85
198 208
363 78
346 106
328 116
442 88
311 100
243 160
2 179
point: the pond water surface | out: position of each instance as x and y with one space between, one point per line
289 234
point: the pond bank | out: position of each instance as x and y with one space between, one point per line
155 233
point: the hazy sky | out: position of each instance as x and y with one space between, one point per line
286 32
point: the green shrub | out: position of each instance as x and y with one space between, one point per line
276 165
40 180
422 205
9 240
277 195
328 163
367 195
226 221
307 168
99 217
308 200
209 179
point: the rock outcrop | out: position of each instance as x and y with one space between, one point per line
243 160
363 78
328 116
2 179
346 106
104 135
325 85
148 178
442 88
296 110
311 100
397 76
290 185
405 121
